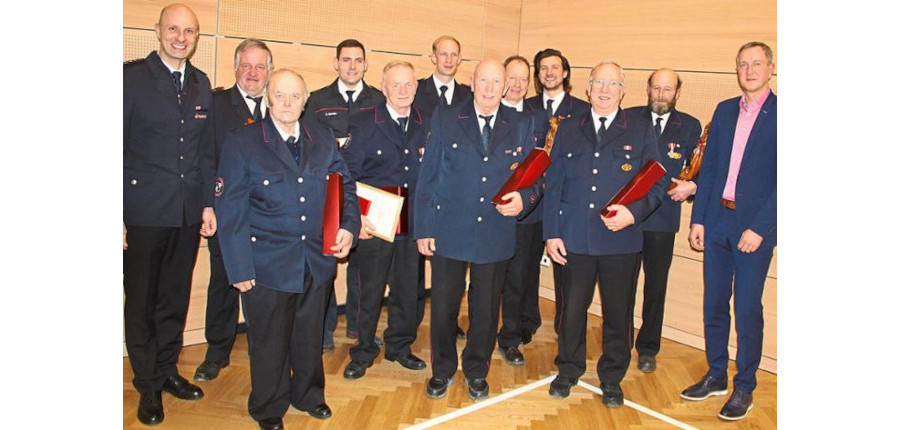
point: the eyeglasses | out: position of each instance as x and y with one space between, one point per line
247 66
599 83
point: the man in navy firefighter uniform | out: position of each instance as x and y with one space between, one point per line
235 107
595 155
472 151
271 192
385 153
169 170
677 137
332 106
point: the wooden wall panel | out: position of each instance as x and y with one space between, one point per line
681 34
145 13
138 43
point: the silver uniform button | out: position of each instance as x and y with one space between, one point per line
406 151
479 219
515 154
593 188
266 182
134 182
596 155
405 186
253 238
438 207
181 139
591 205
405 167
302 217
378 152
627 156
595 171
302 199
483 179
453 146
300 180
485 158
182 176
481 199
569 155
303 237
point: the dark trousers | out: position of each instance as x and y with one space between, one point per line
157 280
617 274
558 276
286 352
520 291
448 280
222 307
351 305
657 259
379 263
727 270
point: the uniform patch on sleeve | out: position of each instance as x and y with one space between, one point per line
220 186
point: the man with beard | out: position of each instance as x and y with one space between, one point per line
332 106
676 134
169 170
551 81
235 107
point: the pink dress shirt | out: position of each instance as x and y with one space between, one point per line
746 119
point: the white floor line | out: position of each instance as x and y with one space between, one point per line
482 404
643 409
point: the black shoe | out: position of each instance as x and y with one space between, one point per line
478 388
437 387
737 406
460 334
526 336
321 412
561 386
379 341
612 395
208 370
150 408
708 386
356 369
408 361
181 388
646 363
271 424
512 356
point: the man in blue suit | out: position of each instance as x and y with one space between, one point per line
596 154
271 192
385 153
734 223
473 149
677 134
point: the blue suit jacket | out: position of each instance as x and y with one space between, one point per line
427 95
379 155
458 179
681 134
270 209
168 149
582 178
756 188
328 106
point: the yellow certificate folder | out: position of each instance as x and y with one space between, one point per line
381 208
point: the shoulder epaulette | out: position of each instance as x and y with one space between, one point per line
133 62
218 89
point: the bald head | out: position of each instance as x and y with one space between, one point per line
287 96
488 82
663 90
177 31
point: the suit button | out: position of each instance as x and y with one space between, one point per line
182 121
303 237
453 146
515 154
181 157
182 176
405 167
485 158
302 217
483 179
265 182
479 219
595 171
406 151
438 207
253 238
405 186
300 180
481 199
591 205
134 182
181 139
378 152
302 199
596 155
593 188
569 155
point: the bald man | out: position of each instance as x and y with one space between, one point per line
271 195
676 137
169 170
474 147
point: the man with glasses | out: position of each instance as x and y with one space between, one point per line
233 108
596 154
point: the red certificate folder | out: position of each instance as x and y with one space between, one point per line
534 165
331 218
637 187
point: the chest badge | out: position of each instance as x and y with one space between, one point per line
513 166
626 167
672 154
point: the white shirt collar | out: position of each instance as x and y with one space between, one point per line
451 86
481 120
250 103
557 100
609 119
518 106
343 88
665 119
295 134
394 115
182 69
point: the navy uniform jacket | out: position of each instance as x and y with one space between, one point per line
379 155
230 112
169 153
328 106
680 135
582 178
458 179
427 95
270 209
756 190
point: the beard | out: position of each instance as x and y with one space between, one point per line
661 107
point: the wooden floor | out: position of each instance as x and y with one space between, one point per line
390 396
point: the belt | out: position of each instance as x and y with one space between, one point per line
729 204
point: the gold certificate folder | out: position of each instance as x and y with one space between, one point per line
383 210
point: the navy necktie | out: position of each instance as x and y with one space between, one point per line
350 99
486 131
294 146
658 127
176 77
550 108
403 120
444 95
601 130
257 111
